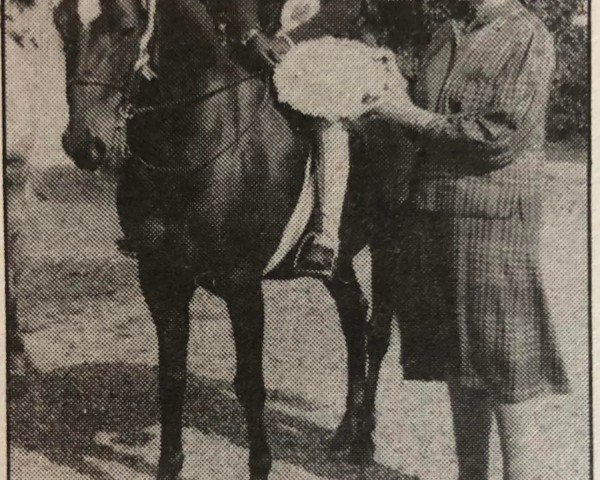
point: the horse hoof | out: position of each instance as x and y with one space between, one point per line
260 463
362 452
342 440
261 476
169 468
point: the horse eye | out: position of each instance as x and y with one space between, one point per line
128 31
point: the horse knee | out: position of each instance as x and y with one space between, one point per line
377 347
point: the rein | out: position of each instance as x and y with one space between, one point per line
129 111
94 82
236 142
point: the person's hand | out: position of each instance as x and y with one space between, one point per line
360 124
271 50
279 47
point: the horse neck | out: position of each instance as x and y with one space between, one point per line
190 61
190 64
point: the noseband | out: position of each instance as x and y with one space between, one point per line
127 110
95 82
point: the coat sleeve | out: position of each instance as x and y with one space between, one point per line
334 19
492 136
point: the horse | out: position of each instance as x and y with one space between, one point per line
209 172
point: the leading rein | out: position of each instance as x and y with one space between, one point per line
128 111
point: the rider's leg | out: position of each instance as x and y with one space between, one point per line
317 255
333 160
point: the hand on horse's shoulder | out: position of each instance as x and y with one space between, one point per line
359 125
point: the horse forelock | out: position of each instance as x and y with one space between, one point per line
88 11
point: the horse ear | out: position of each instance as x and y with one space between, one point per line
63 18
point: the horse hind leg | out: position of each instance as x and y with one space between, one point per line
353 310
168 295
378 340
246 310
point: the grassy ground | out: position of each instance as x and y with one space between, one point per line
91 411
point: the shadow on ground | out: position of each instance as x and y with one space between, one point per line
62 412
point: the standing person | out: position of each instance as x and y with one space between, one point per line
467 286
21 46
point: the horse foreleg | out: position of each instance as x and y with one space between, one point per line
168 295
353 309
246 309
378 340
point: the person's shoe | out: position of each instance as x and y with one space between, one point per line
315 259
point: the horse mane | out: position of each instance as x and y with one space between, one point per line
188 25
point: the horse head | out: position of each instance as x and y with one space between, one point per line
101 40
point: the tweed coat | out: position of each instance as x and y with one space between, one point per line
472 305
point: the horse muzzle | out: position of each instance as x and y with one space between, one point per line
89 152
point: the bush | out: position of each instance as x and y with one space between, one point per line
569 106
570 102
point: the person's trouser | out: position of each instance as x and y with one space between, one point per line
333 165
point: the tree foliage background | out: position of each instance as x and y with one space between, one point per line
411 21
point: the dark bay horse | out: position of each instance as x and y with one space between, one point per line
213 177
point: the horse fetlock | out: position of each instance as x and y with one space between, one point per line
260 460
342 438
169 466
362 451
174 378
366 421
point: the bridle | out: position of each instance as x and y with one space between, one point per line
127 110
95 82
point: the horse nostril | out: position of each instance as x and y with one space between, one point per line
97 150
87 152
67 144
